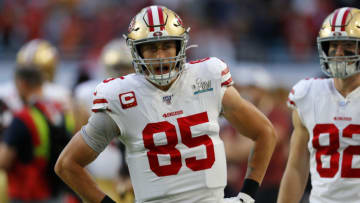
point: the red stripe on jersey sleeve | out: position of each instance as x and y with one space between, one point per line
229 81
100 101
291 102
225 71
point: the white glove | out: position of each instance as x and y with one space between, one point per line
241 198
245 198
231 200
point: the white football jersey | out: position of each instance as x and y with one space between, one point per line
172 137
333 123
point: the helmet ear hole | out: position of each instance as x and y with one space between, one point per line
138 50
325 47
178 46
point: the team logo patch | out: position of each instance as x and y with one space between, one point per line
167 99
342 118
201 86
127 100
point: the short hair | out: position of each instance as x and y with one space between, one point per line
30 75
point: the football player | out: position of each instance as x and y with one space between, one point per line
115 60
167 116
326 119
43 55
40 54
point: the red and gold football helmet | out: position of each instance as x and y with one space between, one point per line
153 24
40 54
341 25
116 58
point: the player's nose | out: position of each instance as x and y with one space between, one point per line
339 50
160 53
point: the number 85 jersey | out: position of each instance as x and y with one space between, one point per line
172 137
333 123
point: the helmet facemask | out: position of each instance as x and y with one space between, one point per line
160 71
339 66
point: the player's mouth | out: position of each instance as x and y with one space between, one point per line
161 70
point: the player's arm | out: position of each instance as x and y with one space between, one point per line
7 156
83 148
253 124
297 169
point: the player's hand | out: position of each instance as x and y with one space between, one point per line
245 198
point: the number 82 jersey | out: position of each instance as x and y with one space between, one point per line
172 137
333 123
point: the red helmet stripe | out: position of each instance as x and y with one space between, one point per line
150 19
161 18
344 19
333 23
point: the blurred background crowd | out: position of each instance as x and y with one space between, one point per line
268 44
258 31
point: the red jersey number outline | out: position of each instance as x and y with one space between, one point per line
332 151
184 124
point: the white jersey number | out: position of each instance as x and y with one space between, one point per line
332 151
170 148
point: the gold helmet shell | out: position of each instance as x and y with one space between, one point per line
153 24
40 54
343 24
116 58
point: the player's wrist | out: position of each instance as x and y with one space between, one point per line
107 199
250 187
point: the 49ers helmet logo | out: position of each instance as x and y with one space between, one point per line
127 100
132 25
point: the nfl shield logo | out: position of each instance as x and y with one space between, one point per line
167 99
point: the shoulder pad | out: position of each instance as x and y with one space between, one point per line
218 63
226 78
101 96
299 91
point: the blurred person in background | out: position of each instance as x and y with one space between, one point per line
109 168
326 118
32 141
257 85
42 55
167 116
